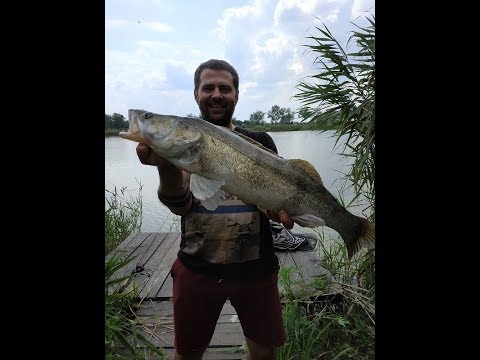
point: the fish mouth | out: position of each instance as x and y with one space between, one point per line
134 132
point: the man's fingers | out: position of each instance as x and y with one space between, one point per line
143 151
285 219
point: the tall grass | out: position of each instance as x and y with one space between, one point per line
123 213
330 327
340 96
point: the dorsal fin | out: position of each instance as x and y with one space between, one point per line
307 167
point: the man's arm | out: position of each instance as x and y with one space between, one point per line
174 190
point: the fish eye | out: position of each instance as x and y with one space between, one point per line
147 115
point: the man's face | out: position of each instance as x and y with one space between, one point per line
216 96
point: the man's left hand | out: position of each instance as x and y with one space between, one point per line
280 217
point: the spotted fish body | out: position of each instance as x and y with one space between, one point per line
220 159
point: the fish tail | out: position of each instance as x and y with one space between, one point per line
364 236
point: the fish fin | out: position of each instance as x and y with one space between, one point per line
307 220
191 154
306 167
212 203
366 239
203 188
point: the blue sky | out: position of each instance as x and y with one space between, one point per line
152 48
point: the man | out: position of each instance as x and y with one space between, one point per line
224 254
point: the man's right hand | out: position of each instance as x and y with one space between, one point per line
148 157
173 181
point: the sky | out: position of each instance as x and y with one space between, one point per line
152 48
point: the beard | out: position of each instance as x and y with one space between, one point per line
225 120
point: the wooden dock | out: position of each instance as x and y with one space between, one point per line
154 255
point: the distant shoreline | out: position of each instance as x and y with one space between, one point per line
266 128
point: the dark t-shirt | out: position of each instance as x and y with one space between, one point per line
232 242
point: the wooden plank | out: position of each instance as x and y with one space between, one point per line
135 248
159 275
157 242
136 237
166 291
282 256
152 259
289 262
153 307
309 263
150 246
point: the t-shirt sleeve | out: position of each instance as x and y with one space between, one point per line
260 136
267 141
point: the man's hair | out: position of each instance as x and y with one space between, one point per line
215 64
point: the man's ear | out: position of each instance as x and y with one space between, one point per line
195 95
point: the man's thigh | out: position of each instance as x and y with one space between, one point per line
197 302
257 303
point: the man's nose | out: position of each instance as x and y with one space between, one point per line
216 93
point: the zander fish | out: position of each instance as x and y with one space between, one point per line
220 159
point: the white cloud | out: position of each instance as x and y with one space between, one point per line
294 10
245 86
306 7
363 7
230 15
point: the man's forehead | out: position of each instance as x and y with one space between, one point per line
216 76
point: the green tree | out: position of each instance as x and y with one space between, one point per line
287 116
257 118
342 94
193 116
281 115
237 122
119 121
108 122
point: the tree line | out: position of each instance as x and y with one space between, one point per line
277 115
115 122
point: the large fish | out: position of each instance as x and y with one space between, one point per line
220 159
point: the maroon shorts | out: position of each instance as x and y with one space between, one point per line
198 300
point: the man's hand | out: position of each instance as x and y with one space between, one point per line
280 217
148 157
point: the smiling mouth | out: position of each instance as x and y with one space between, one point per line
216 108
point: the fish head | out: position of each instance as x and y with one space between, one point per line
167 135
145 126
